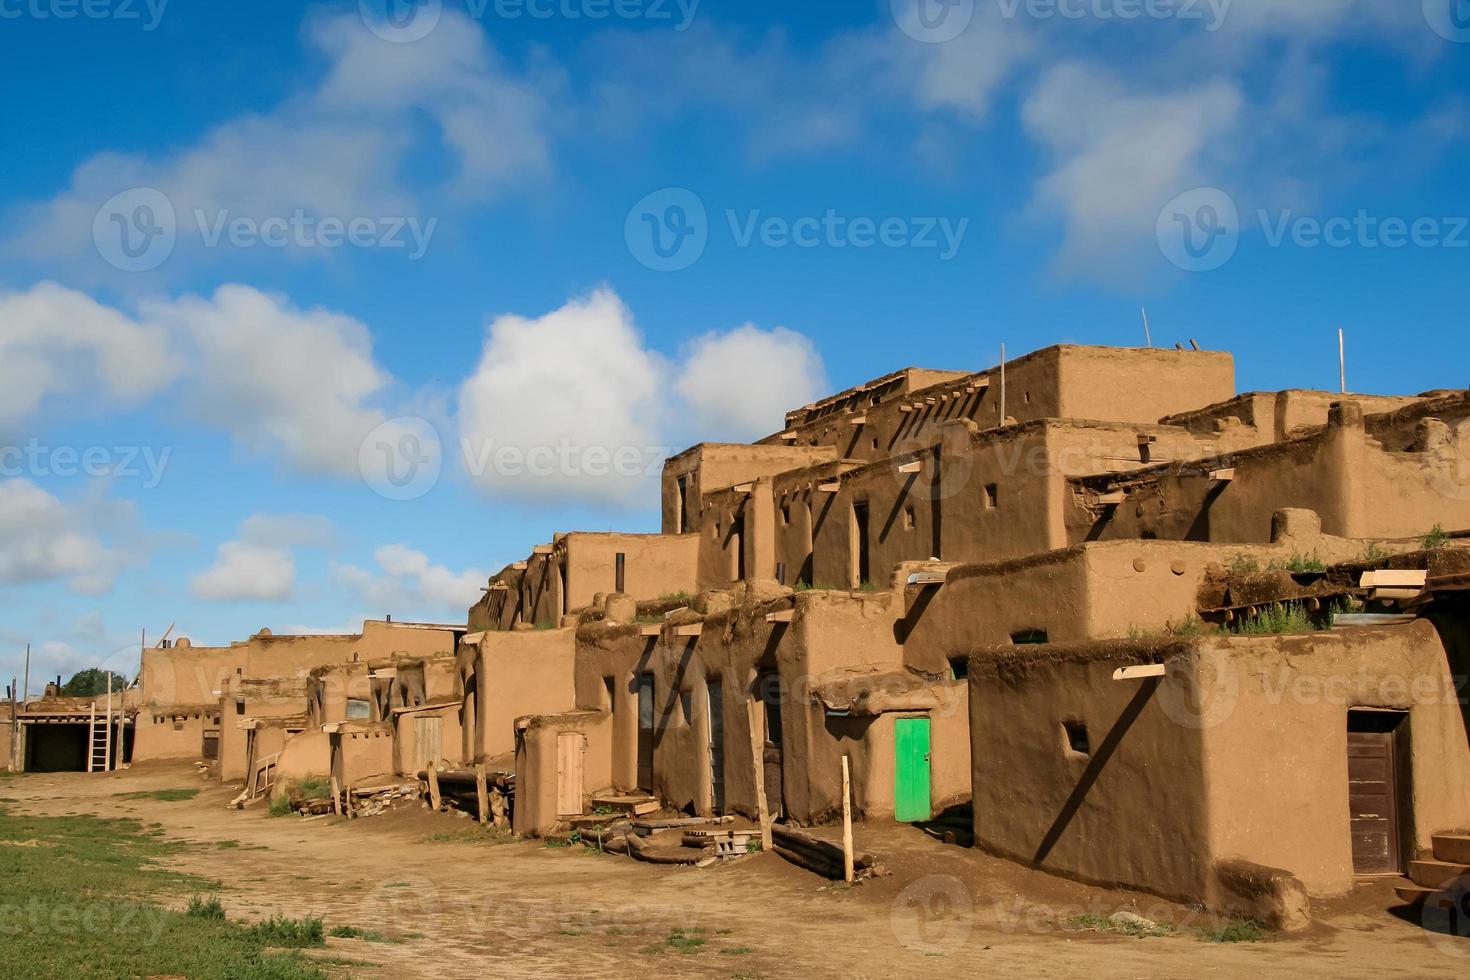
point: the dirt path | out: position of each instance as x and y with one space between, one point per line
521 909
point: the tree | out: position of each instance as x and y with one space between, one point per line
92 682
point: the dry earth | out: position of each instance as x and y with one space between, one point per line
523 910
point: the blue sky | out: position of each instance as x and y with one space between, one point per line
311 313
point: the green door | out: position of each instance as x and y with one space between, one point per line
911 770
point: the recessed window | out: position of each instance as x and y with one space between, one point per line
1023 637
959 668
1026 398
992 496
358 708
1076 736
908 518
875 443
785 513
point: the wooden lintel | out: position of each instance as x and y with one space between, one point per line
1224 475
542 549
692 629
1139 672
519 566
784 616
828 487
913 467
905 408
788 437
743 487
928 578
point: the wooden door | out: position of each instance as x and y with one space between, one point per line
428 734
569 774
911 770
716 716
645 732
1373 792
768 689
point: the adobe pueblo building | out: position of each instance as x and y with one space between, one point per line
1091 610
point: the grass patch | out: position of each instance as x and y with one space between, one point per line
87 905
226 843
352 932
1139 930
683 597
162 795
1244 565
737 950
313 787
1298 563
679 940
1437 537
280 806
487 836
205 908
1372 552
284 933
1237 931
1275 620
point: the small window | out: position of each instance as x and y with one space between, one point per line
959 668
785 513
1026 398
875 443
358 708
178 725
1076 738
908 518
992 496
1023 637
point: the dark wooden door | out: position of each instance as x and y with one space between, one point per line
1373 795
645 732
773 759
716 715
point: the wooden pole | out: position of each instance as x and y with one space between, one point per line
758 751
25 694
336 796
433 787
1341 362
847 873
1148 336
107 731
92 736
482 794
1002 384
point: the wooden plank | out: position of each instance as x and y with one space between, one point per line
828 487
1372 619
650 629
928 578
1138 672
692 629
1112 499
847 873
758 753
1223 475
783 616
434 797
913 467
482 794
1396 578
336 797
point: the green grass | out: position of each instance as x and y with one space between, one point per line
1372 552
352 932
1276 619
1437 537
280 806
488 836
1237 931
86 904
162 795
283 933
736 950
683 597
205 908
313 787
1244 565
1300 563
1098 923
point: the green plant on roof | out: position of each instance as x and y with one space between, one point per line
1244 565
1437 537
1276 619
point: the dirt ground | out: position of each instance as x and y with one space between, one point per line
523 909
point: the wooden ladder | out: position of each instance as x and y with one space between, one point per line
265 775
99 741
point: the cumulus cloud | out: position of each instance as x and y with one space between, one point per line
743 381
43 539
339 149
260 564
407 579
276 377
56 341
1119 154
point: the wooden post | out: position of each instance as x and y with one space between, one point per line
482 794
847 873
433 787
1341 362
336 796
92 735
758 751
1002 384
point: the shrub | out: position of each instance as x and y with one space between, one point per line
1436 538
205 908
1277 618
285 933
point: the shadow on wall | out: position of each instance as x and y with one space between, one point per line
1099 759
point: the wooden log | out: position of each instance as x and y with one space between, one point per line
802 860
847 874
758 754
434 798
674 822
336 797
482 795
644 851
795 840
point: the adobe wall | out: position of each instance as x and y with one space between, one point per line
268 656
405 744
523 672
232 738
1111 384
653 565
708 467
303 755
1275 743
536 761
383 640
362 752
172 733
184 674
540 601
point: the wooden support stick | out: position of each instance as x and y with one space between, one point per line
336 797
847 873
433 787
482 794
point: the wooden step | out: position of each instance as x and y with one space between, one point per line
1436 874
1414 894
635 806
1454 848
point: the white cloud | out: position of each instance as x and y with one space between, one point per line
343 149
278 378
260 565
739 384
57 342
43 539
1120 154
407 579
556 400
